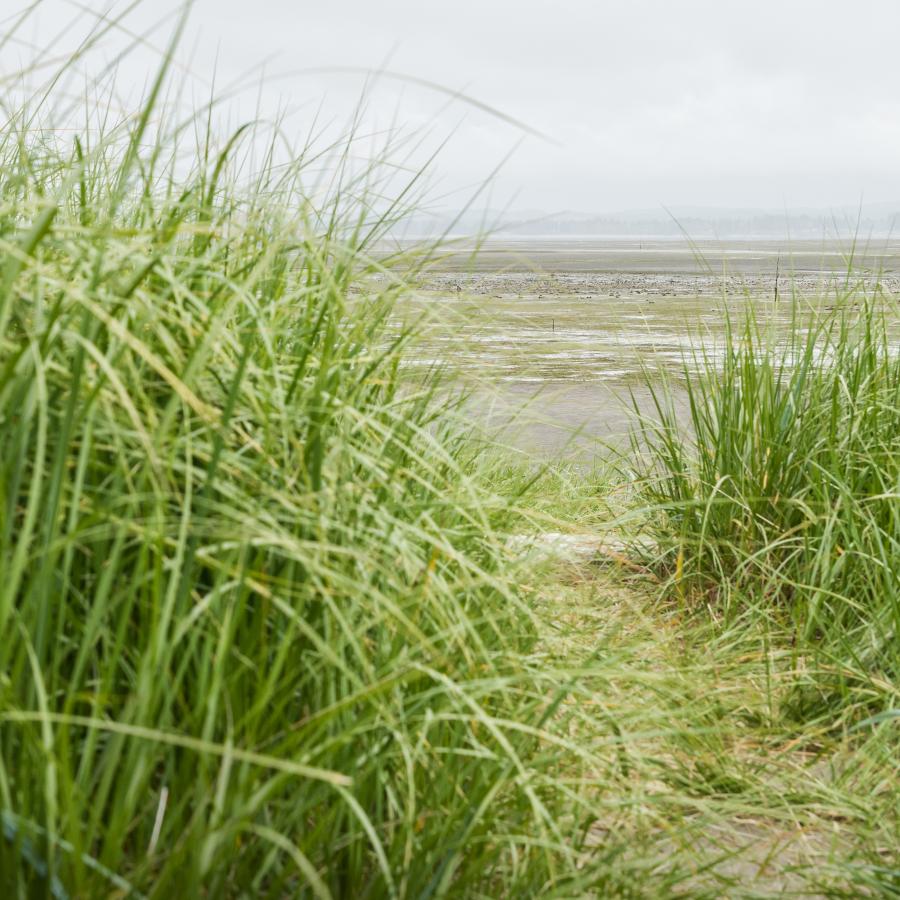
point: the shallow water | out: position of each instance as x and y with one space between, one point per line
556 359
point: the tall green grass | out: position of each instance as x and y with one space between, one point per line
774 476
257 634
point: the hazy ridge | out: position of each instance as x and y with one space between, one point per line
871 220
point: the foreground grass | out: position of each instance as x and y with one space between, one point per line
259 635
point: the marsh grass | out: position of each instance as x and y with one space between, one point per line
777 501
258 634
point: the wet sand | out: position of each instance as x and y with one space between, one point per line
553 337
675 257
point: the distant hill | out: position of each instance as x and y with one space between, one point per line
877 220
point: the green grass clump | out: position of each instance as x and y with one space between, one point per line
257 634
775 485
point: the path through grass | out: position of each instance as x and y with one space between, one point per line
719 787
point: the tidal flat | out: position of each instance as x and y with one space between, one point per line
555 338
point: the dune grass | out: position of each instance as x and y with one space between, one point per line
778 500
258 636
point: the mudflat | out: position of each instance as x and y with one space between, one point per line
678 257
556 339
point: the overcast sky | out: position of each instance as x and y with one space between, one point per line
648 102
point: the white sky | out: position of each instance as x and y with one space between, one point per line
649 102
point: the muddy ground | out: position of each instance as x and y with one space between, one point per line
556 339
